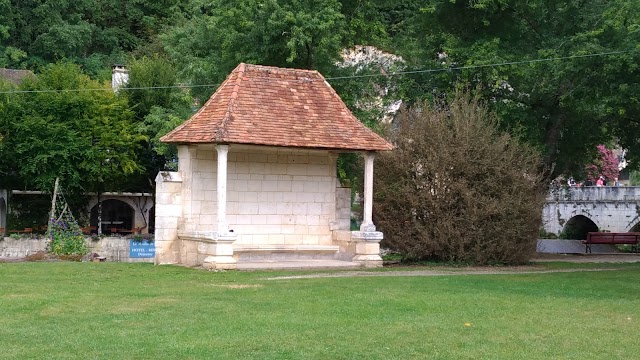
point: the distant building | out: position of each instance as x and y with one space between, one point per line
119 77
15 76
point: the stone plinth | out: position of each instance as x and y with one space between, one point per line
212 251
367 247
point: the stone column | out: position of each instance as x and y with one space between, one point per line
222 151
367 240
219 247
367 221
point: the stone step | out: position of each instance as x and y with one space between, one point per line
281 252
297 265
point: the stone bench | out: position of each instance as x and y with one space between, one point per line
282 252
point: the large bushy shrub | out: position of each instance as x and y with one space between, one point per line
458 189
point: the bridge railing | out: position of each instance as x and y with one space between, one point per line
595 193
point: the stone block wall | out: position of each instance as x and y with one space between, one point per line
197 167
113 248
343 209
274 195
169 210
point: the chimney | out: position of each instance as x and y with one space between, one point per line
119 77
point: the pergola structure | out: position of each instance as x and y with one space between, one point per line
256 179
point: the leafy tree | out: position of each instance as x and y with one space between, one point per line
219 34
93 33
457 189
159 106
564 107
57 130
9 56
153 82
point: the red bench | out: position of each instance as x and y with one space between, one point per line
611 239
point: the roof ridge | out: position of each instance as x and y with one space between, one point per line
278 69
222 130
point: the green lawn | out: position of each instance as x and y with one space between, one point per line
138 311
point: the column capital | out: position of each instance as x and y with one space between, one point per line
222 148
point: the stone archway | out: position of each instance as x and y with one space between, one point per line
635 228
117 217
577 228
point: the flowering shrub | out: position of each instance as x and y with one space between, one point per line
606 165
65 238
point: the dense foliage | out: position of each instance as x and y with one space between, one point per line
582 94
562 76
86 138
456 188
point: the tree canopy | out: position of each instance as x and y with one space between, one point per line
55 129
561 75
565 106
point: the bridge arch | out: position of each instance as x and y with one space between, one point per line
577 228
635 228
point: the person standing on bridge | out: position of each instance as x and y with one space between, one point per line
600 181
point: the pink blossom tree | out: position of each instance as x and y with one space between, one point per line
606 165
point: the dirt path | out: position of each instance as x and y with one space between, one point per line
526 269
430 273
588 258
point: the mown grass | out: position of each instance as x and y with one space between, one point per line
138 311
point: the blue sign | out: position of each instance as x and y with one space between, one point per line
142 249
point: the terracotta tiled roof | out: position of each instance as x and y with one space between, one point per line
14 76
265 105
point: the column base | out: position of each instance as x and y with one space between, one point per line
216 249
219 263
368 261
367 248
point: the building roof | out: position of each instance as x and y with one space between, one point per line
14 76
272 106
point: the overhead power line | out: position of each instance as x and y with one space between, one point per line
509 63
355 76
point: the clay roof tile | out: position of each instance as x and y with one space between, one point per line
272 106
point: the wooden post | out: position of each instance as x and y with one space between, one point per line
53 202
99 215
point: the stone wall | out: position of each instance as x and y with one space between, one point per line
168 215
274 196
613 209
113 248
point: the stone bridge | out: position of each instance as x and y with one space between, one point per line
577 210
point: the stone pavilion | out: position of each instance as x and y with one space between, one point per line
256 179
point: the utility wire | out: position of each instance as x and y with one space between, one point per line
398 73
483 65
106 89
